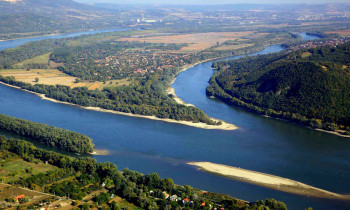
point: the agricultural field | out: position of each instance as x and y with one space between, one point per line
41 59
231 47
14 168
196 42
56 77
9 191
341 33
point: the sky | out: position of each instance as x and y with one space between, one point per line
213 1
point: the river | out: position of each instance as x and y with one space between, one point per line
261 144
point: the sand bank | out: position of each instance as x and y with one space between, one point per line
99 152
267 180
224 126
178 100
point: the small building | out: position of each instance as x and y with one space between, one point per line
19 198
173 198
166 195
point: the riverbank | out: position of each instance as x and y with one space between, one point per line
171 91
223 126
99 152
267 180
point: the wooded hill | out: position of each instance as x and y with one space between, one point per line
37 17
311 86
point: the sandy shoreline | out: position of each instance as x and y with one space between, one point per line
267 180
178 100
99 152
332 132
224 126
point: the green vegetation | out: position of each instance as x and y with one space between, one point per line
149 67
79 177
41 59
49 135
117 60
311 90
14 167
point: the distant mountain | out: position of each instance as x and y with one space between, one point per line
33 17
309 86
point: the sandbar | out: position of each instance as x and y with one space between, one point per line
267 180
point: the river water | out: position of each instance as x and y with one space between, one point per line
261 144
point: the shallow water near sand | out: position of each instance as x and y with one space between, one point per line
262 144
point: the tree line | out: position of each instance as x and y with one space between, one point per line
52 136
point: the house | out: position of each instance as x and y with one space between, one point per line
186 200
203 204
173 198
19 198
166 195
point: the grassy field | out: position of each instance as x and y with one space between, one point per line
41 59
14 168
196 42
306 54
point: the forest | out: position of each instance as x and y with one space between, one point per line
309 86
52 136
85 175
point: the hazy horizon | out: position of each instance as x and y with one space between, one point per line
210 2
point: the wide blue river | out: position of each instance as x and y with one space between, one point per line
261 144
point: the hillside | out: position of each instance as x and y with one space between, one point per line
37 17
310 86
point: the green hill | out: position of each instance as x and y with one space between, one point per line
310 86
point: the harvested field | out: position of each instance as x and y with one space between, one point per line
51 77
54 64
196 42
8 191
341 33
232 47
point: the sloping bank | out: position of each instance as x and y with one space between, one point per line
267 180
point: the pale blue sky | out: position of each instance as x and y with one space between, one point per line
214 1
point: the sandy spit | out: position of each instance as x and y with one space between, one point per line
99 152
224 126
267 180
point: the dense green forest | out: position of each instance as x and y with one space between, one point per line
310 86
82 176
49 135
